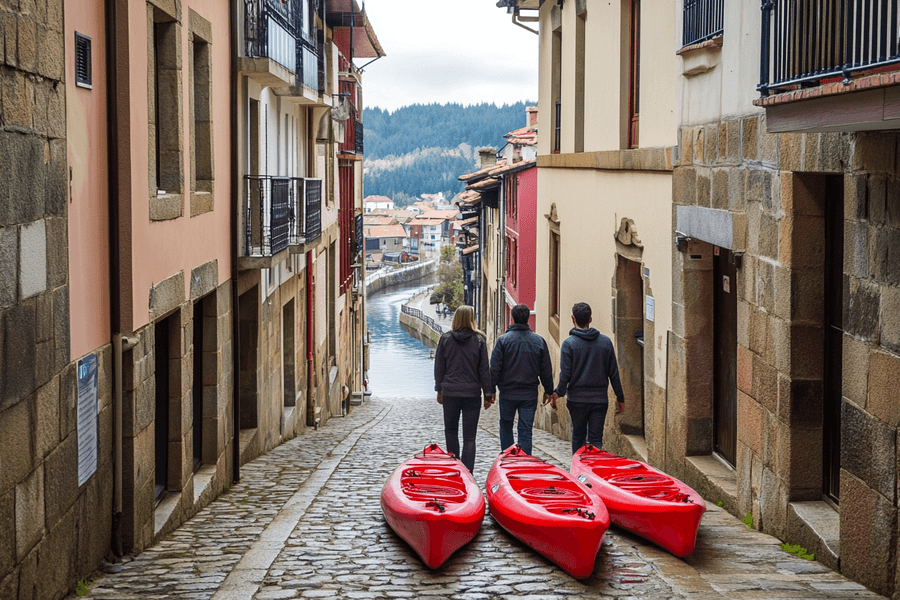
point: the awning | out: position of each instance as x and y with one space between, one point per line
341 15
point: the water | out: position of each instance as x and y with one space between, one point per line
399 365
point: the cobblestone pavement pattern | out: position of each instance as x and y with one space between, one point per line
305 522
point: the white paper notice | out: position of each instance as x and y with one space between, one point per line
87 417
651 309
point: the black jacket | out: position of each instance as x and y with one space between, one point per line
461 367
587 365
519 358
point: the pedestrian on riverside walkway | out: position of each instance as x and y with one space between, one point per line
587 366
461 374
519 362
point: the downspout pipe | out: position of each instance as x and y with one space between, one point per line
517 20
501 261
112 151
310 320
235 297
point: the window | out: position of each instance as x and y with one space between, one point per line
512 196
83 68
634 73
580 23
201 118
702 21
554 287
556 85
166 169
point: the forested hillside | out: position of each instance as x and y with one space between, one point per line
423 149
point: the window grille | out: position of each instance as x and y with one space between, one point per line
702 20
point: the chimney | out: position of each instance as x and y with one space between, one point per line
531 114
487 157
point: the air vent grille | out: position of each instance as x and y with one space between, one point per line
83 71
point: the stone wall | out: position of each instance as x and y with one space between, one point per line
386 277
51 530
767 196
143 521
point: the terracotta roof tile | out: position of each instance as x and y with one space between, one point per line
385 231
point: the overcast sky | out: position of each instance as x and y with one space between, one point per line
465 51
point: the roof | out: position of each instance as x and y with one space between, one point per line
516 166
440 214
426 222
484 184
465 222
523 136
370 219
385 231
342 14
482 172
470 249
378 199
469 197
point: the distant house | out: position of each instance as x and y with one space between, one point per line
426 235
386 238
375 202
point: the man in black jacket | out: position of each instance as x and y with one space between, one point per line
587 365
519 359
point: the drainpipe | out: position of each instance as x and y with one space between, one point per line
311 370
112 151
501 261
233 219
516 20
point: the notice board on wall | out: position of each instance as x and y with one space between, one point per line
87 417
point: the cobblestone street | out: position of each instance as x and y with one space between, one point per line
305 522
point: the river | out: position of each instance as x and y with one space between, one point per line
399 365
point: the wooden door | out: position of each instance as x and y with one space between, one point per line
724 355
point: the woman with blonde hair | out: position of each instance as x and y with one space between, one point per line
461 375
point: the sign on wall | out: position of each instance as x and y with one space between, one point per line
87 417
651 309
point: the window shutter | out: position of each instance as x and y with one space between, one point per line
83 71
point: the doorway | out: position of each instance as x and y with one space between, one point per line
162 380
725 355
248 314
834 334
288 354
629 327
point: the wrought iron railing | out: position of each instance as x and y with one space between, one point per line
280 211
359 138
313 210
702 20
275 30
804 43
269 213
418 314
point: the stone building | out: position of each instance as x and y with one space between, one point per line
155 302
759 213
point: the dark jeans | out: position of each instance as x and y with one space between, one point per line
587 423
526 410
470 408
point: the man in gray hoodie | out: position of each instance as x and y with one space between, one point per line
587 366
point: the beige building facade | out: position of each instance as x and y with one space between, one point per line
751 194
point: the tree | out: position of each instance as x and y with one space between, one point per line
450 275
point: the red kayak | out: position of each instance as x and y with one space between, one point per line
641 499
433 502
548 509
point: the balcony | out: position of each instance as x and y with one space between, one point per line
281 215
280 47
702 21
830 65
359 138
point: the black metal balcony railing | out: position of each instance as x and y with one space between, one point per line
702 21
275 30
313 210
804 43
280 211
359 137
269 214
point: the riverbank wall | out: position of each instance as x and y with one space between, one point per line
388 277
420 326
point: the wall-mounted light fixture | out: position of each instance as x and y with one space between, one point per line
737 259
681 241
